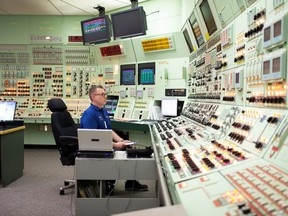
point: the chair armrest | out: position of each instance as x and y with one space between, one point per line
69 140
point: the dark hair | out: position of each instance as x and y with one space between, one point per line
93 88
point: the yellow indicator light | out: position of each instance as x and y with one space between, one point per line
157 44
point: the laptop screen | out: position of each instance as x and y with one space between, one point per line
95 139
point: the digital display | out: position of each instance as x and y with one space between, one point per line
208 17
276 65
94 26
196 30
7 110
147 76
146 73
129 23
169 107
188 41
266 67
96 30
111 104
128 77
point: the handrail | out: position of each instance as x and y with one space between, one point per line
163 185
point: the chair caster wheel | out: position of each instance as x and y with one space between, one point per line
62 192
66 183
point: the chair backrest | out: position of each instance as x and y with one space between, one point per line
63 124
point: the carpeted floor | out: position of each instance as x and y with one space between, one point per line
37 191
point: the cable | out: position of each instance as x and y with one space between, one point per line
152 13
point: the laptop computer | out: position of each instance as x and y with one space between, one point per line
96 141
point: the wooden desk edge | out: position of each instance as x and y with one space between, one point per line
3 132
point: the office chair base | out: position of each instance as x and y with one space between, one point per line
67 186
68 181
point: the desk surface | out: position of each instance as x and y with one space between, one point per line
8 130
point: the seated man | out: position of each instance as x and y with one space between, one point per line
96 117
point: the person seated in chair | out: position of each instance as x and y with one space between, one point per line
97 117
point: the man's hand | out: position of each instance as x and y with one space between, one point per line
119 145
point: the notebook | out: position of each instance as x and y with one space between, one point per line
95 140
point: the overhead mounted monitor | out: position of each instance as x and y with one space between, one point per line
188 39
196 30
96 30
208 18
127 74
146 73
129 23
7 110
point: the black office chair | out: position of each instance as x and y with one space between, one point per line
65 134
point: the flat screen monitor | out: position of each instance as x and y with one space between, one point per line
129 23
146 73
188 40
7 110
196 30
208 17
169 107
127 74
96 30
111 104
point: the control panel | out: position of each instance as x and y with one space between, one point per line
231 157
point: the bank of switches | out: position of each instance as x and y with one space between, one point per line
203 159
231 157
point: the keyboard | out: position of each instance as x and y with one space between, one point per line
139 152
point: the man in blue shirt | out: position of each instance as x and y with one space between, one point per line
97 117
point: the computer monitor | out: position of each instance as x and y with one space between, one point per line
96 30
111 104
208 17
146 73
196 29
7 110
208 20
188 40
129 23
127 74
169 107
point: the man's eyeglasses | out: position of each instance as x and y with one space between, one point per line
102 94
